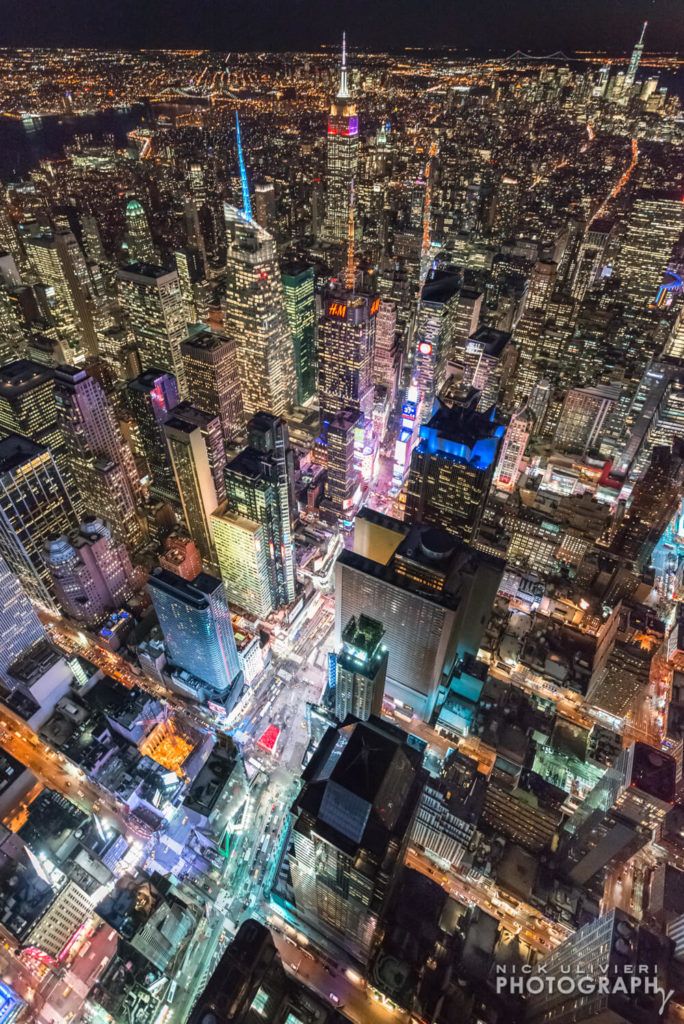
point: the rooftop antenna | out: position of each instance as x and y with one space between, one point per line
246 201
643 33
343 91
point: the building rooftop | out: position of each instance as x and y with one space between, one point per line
361 784
205 341
654 772
249 463
429 562
10 770
363 633
22 375
462 431
295 268
186 417
440 287
192 592
206 790
147 380
143 272
493 341
16 450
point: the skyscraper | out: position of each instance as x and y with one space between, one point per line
151 397
439 301
210 426
386 351
13 333
360 669
300 305
635 59
34 505
653 226
101 463
265 206
432 593
190 461
138 237
342 157
614 947
583 416
195 288
91 573
342 477
620 814
58 261
195 621
653 504
488 362
541 284
452 468
259 488
351 825
346 339
242 554
255 317
211 371
28 406
205 226
153 303
19 625
591 256
512 451
465 320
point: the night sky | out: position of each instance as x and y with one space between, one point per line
539 26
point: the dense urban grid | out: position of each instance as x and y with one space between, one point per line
341 538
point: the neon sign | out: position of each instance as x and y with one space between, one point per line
338 309
375 306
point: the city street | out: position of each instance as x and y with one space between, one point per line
57 772
334 984
520 918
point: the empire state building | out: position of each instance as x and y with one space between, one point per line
343 156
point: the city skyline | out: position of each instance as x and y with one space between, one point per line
342 517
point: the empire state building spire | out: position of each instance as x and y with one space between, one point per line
343 91
342 157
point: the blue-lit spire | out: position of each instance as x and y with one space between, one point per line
246 201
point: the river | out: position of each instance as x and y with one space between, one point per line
22 148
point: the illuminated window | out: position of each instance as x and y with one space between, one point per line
260 1002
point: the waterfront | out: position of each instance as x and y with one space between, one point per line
22 147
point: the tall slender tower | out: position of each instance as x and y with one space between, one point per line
153 303
256 318
101 463
343 157
635 59
34 505
259 486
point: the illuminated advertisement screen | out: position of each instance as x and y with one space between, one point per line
10 1003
